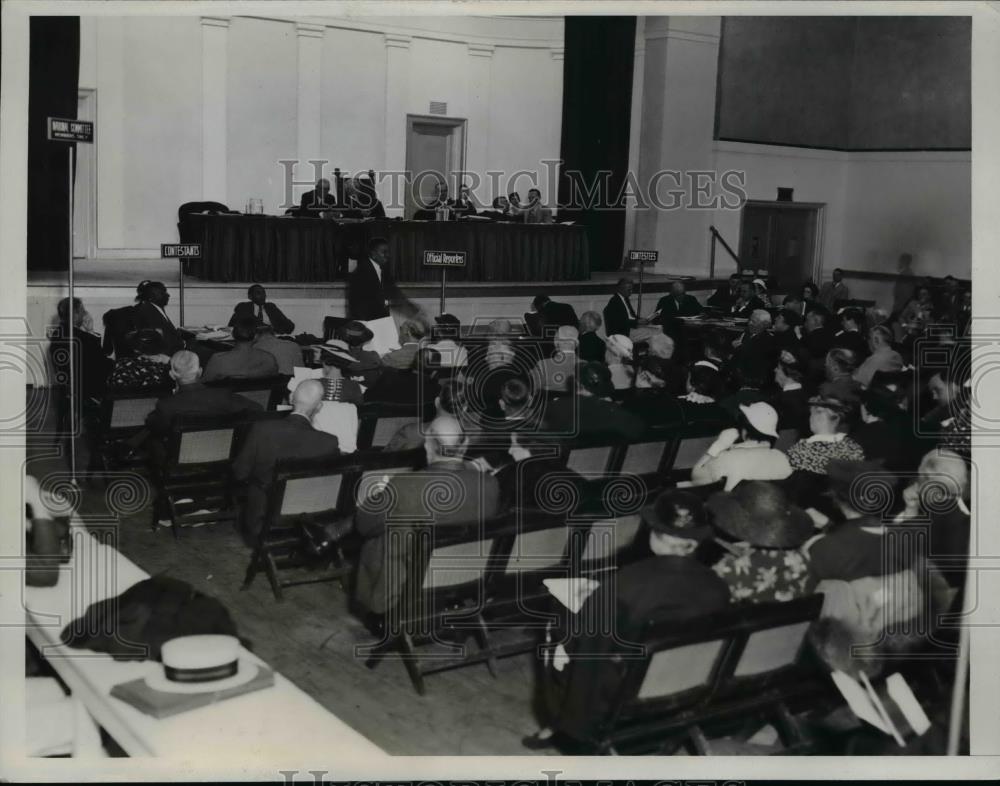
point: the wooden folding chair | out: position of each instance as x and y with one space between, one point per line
267 392
122 415
194 482
303 490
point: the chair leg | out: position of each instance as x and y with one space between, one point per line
253 568
409 656
272 575
483 634
378 652
701 744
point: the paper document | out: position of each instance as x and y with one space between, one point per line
573 592
386 335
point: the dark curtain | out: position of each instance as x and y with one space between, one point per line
597 105
54 71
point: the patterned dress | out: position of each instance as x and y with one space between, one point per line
759 575
139 372
813 455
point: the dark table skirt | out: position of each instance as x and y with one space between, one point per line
269 248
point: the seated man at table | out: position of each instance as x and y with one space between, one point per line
500 211
677 304
271 440
535 212
261 312
243 361
319 199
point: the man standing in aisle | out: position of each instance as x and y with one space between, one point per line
371 289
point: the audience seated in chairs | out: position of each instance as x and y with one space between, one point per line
287 353
885 432
792 401
882 356
756 350
338 413
581 675
764 532
92 366
152 298
618 358
817 337
367 364
590 413
411 332
449 402
269 440
951 419
829 421
383 559
851 335
244 360
725 296
553 373
417 384
261 311
591 345
148 368
745 452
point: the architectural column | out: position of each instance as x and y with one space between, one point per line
676 130
397 96
635 124
550 190
214 73
480 70
310 97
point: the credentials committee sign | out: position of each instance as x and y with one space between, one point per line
444 259
65 130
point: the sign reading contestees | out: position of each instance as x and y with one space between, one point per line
180 250
644 257
64 130
444 259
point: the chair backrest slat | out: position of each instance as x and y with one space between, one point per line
589 460
643 458
261 396
690 450
311 494
386 427
771 649
679 669
131 412
538 549
607 538
205 446
457 563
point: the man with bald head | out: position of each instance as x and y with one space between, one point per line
270 440
757 351
449 490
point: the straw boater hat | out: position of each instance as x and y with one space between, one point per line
202 664
759 513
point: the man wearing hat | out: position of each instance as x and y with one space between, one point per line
762 562
745 452
670 585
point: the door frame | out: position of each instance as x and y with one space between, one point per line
455 155
85 211
820 210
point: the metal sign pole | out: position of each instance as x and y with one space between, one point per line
73 402
180 272
444 278
638 307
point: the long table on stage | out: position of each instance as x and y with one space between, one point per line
286 248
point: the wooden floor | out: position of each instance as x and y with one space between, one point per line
464 711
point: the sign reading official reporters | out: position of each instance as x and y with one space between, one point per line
444 259
644 257
180 250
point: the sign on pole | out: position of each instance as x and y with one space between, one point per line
68 130
180 252
444 260
64 130
644 257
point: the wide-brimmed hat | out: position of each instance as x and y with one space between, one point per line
660 515
355 333
761 514
620 345
336 352
829 402
761 416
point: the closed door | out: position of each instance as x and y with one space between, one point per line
434 153
780 239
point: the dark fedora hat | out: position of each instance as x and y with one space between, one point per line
355 333
665 515
447 319
760 513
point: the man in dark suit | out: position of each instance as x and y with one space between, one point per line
319 199
677 304
270 440
747 302
244 360
371 288
592 346
792 402
149 313
383 561
619 314
849 336
757 352
412 386
262 312
548 313
670 585
591 413
724 297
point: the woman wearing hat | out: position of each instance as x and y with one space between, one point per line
582 677
762 562
618 359
147 369
745 452
828 421
338 412
367 364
